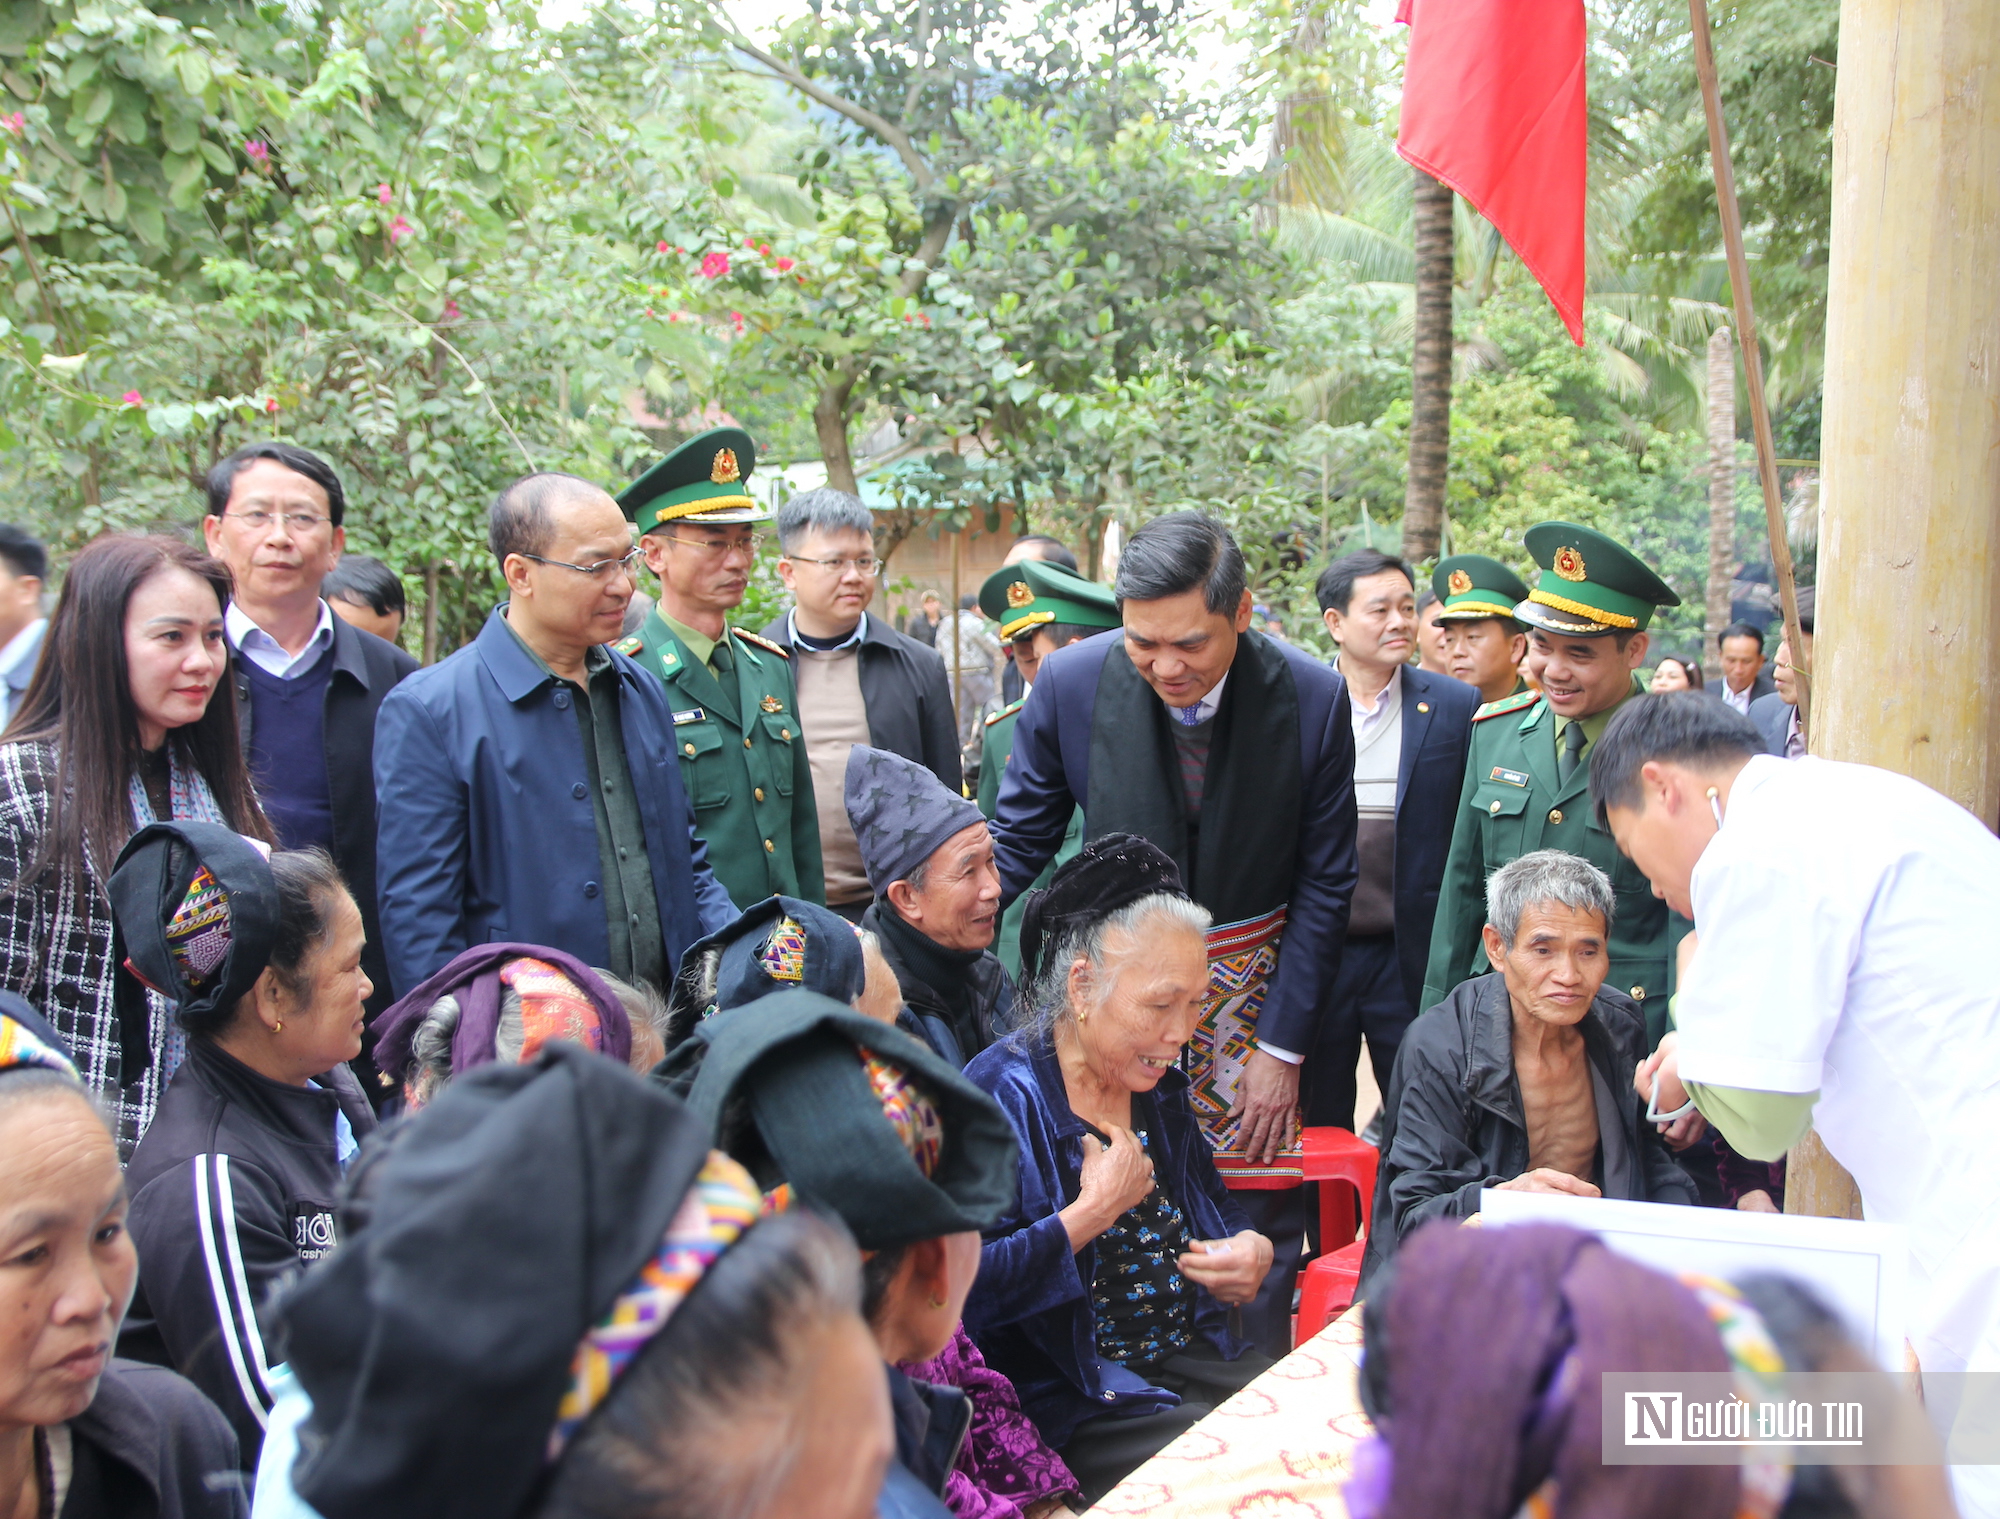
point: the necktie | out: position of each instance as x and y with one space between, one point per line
1189 716
1572 755
721 660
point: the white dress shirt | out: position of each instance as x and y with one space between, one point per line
270 656
1204 709
1740 700
19 647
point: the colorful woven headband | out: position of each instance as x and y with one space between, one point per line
719 1208
784 953
20 1046
198 933
913 1115
552 1007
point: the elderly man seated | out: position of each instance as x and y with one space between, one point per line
929 861
1517 1079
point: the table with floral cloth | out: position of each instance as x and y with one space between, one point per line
1279 1449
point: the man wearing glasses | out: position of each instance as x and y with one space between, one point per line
530 790
859 680
736 716
308 685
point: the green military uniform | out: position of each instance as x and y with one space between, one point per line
1470 587
736 711
1021 598
1520 794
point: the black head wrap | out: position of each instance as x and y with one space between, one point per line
860 1119
779 943
501 1222
196 912
1111 873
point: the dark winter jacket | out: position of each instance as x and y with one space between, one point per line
903 686
151 1447
233 1186
1452 1120
1030 1310
931 1425
957 1003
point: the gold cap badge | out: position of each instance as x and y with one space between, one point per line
1459 583
1018 594
1569 563
725 471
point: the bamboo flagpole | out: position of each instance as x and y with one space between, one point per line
1746 336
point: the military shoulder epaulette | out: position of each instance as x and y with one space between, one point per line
630 645
761 642
1507 704
1007 711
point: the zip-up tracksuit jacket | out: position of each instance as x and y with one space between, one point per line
233 1184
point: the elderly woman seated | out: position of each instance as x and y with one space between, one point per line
1103 1293
1518 1079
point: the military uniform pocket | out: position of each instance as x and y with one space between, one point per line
782 728
703 766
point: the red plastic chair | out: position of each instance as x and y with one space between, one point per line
1344 1165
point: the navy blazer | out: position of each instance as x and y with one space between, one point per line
1029 1310
1048 777
1773 716
1429 777
485 827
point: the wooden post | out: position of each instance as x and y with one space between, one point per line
1909 578
1721 486
1909 604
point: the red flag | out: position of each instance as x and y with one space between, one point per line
1493 105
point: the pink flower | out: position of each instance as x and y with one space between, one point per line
257 152
785 264
451 311
384 194
924 317
764 250
272 406
660 246
133 398
736 321
750 242
17 124
398 230
673 316
714 266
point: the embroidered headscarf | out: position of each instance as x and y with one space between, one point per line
27 1041
780 942
1109 873
1484 1350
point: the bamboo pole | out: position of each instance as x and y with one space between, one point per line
1746 335
1721 488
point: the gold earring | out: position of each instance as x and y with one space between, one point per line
937 1302
278 1027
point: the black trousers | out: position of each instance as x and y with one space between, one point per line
1266 1320
1106 1450
1367 999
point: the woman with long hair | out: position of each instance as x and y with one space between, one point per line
128 721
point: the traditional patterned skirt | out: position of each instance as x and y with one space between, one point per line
1241 959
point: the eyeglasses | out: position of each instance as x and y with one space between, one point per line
867 565
603 569
715 548
262 522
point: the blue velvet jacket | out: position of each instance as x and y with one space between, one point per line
1030 1309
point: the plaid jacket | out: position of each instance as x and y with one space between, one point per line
55 946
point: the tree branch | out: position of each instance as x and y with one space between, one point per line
879 126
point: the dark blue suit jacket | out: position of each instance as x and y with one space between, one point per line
1773 716
1429 777
485 829
1048 777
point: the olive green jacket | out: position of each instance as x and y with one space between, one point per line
998 745
743 762
1513 804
